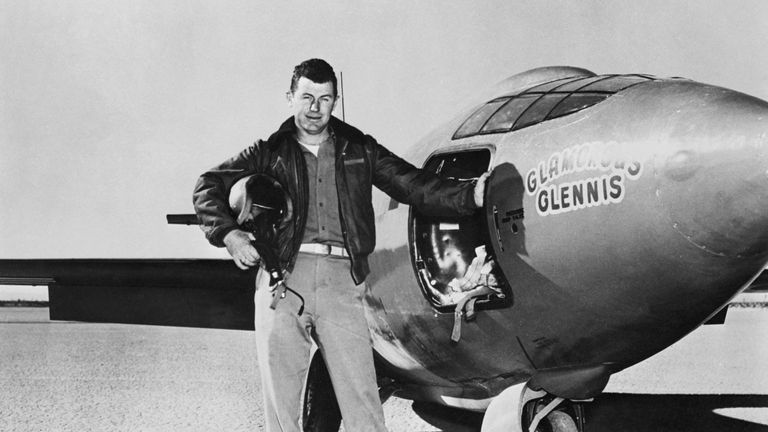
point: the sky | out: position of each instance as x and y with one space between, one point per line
109 111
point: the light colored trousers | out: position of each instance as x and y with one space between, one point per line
333 317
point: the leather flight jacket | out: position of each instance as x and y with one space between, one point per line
361 163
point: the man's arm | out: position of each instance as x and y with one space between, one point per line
211 202
431 194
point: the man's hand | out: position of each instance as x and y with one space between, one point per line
480 189
239 246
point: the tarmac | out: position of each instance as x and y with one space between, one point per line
65 376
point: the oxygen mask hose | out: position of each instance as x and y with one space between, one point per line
278 292
271 263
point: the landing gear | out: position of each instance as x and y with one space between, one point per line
520 409
550 414
321 411
558 421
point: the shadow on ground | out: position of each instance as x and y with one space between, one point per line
632 413
646 413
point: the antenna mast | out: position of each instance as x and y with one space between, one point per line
341 82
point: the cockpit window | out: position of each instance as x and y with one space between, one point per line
577 102
615 83
536 112
577 84
504 118
478 119
543 102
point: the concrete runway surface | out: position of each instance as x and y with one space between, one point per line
63 376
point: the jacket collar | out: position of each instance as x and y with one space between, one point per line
341 130
288 128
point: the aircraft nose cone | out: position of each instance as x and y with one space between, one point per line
714 183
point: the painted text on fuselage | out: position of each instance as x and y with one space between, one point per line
553 197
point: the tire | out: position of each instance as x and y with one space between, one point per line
558 421
321 411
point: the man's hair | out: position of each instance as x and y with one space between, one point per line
315 70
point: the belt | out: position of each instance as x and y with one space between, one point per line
323 249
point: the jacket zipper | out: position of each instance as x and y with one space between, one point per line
303 213
342 171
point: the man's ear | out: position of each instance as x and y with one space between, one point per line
289 97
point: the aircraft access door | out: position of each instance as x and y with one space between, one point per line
452 256
505 219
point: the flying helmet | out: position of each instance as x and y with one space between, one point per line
259 197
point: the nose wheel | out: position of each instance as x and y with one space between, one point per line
563 416
558 421
521 409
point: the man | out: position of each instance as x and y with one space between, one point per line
328 168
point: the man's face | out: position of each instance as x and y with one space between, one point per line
312 105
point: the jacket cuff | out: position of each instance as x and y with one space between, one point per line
469 198
216 237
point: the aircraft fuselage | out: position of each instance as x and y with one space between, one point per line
618 229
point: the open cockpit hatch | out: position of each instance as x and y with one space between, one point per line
449 254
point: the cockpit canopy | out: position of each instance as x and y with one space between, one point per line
543 102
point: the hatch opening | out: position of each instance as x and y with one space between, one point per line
449 253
